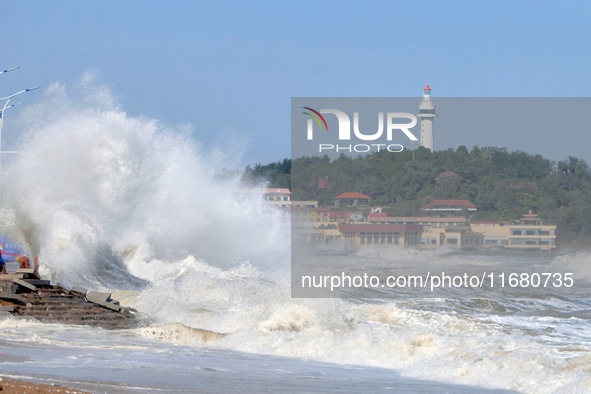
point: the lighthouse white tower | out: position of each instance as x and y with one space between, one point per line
426 114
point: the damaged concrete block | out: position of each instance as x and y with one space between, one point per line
39 282
102 299
97 296
28 272
79 291
24 284
11 297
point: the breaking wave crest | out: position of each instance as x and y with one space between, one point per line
95 190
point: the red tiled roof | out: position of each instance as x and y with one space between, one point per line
351 195
282 190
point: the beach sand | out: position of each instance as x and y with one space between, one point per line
21 387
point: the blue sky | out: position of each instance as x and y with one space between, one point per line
229 69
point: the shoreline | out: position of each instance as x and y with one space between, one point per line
14 386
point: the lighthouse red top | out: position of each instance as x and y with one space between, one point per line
427 87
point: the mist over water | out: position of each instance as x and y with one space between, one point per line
126 203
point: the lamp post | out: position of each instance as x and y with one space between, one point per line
5 106
8 105
9 69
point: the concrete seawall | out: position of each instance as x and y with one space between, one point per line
25 294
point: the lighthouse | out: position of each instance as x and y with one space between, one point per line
426 114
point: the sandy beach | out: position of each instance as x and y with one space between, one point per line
21 387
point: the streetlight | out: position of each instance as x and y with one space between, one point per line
6 106
9 69
2 124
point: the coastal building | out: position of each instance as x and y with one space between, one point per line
280 197
428 221
427 115
495 232
368 234
304 204
365 229
437 231
322 233
325 215
454 237
528 233
351 199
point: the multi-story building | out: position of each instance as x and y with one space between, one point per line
280 197
437 231
369 234
528 233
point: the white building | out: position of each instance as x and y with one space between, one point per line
427 114
280 197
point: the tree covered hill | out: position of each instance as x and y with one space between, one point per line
503 185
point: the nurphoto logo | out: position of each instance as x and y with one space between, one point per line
393 121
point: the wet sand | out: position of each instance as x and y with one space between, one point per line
10 386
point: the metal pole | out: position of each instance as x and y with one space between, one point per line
2 121
6 106
8 70
19 92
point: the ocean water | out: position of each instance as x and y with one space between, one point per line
132 206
